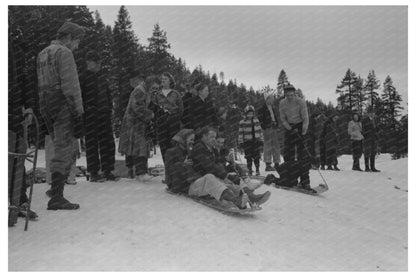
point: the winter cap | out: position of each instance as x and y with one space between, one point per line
248 108
92 56
289 88
182 135
73 29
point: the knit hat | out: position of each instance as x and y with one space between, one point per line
248 108
182 135
92 56
73 29
289 88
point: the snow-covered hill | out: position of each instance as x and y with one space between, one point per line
360 224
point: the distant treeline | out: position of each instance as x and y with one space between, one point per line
33 28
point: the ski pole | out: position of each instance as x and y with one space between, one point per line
310 157
35 158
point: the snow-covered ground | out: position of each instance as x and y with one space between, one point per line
360 224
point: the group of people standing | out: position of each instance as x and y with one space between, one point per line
74 106
324 140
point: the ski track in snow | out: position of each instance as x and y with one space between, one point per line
360 224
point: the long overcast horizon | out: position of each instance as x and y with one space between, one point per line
315 45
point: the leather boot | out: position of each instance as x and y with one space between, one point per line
57 201
372 164
367 163
257 198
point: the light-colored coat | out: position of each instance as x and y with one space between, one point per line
355 130
133 139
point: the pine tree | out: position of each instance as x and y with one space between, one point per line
222 77
159 57
371 86
359 96
347 91
282 81
125 60
391 99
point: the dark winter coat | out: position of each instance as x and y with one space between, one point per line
265 118
203 113
133 138
172 103
20 96
179 174
370 131
205 161
232 122
187 101
96 99
330 139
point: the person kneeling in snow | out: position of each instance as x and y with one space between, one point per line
289 173
205 163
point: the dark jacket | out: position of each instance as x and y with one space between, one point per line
179 174
370 130
20 96
265 118
187 109
330 139
96 98
203 113
205 161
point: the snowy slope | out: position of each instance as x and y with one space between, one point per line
360 224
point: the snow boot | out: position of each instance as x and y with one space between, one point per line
356 165
322 167
109 176
60 203
329 167
57 201
372 164
305 182
269 167
367 164
24 209
336 168
257 198
130 173
96 178
270 178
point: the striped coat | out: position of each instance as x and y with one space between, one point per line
245 130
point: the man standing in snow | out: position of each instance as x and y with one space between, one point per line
294 116
61 107
370 133
98 106
267 116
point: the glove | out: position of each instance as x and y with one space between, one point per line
234 178
79 130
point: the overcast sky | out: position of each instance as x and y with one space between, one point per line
315 45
